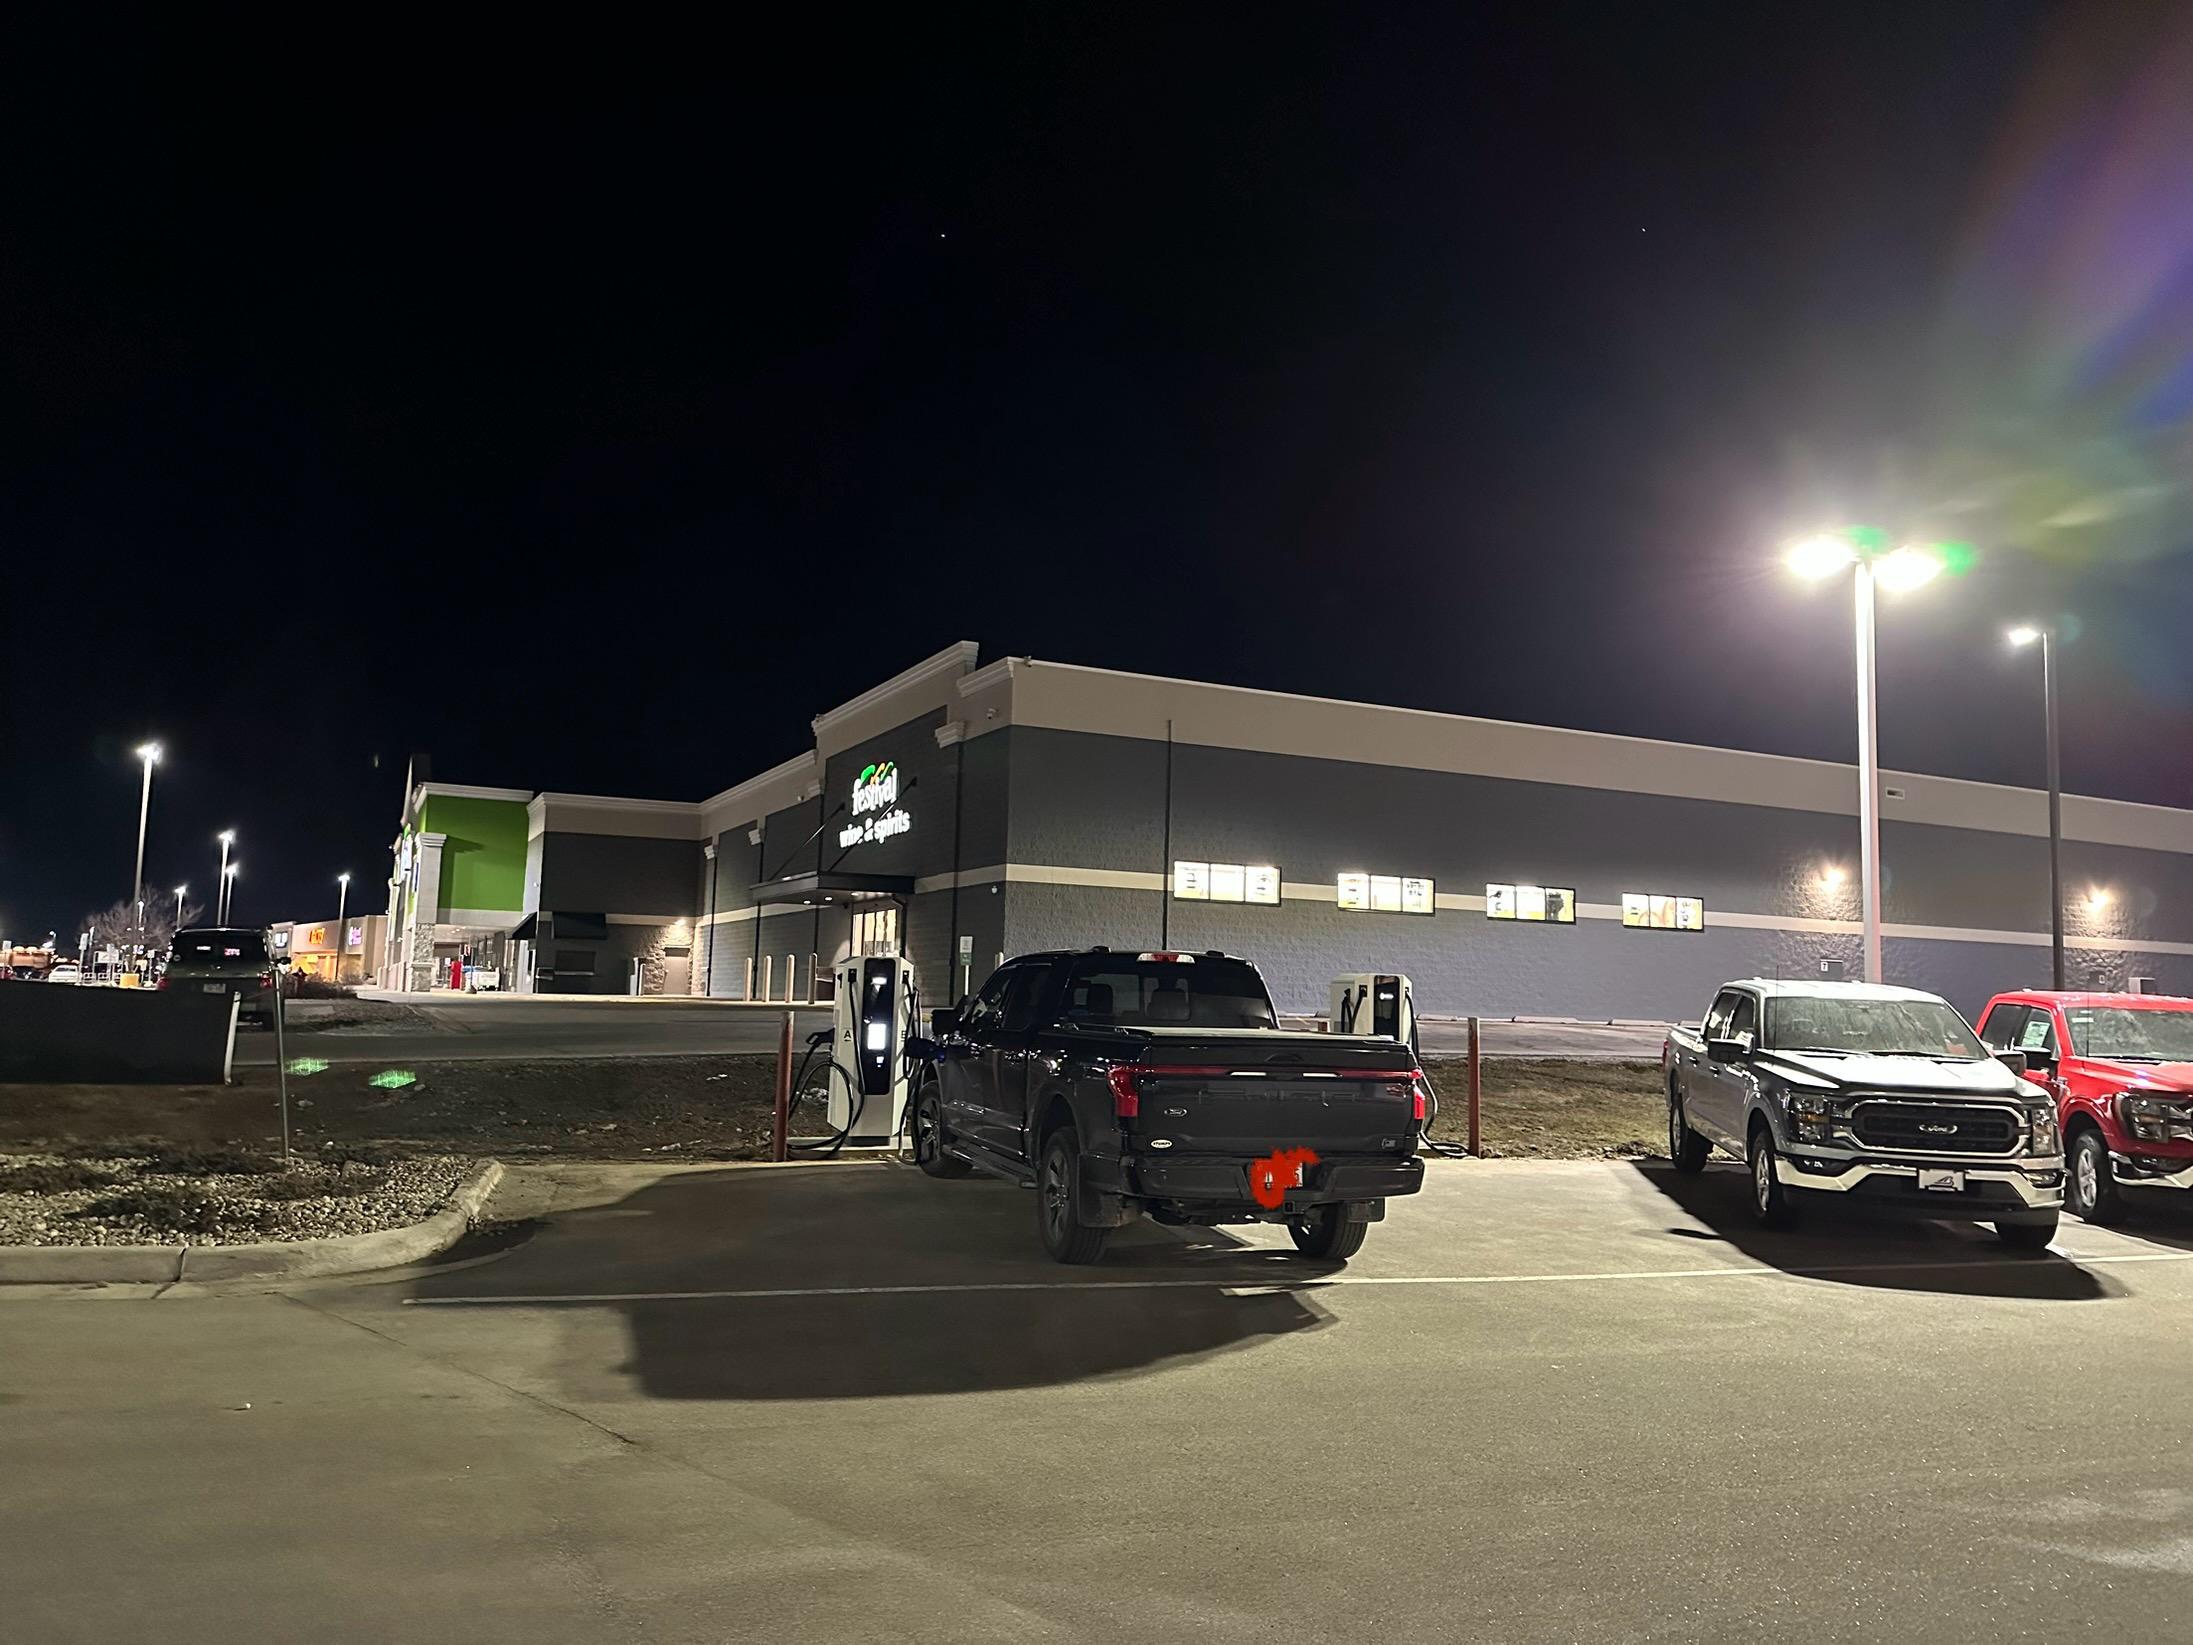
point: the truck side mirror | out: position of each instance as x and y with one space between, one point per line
2014 1060
943 1022
1727 1050
2039 1061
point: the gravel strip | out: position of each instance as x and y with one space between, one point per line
183 1197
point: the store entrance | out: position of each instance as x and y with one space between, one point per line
876 930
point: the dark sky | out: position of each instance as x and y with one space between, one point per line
591 406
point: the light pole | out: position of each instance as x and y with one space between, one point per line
228 890
342 935
179 890
150 754
227 838
1864 551
2027 634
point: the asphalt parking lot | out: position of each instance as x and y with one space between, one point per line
1549 1402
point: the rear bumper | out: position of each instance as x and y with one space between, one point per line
1207 1181
2035 1185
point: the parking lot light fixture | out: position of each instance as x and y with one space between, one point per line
1912 566
149 753
1864 552
2025 634
179 890
1821 555
228 891
227 837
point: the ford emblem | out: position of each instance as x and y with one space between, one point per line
1161 1142
1939 1130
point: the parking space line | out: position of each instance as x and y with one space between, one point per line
1244 1284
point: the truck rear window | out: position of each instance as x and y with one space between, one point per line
1186 992
219 948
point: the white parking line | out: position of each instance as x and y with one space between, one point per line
1238 1286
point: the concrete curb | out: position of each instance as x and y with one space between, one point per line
274 1259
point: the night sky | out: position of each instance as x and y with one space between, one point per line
591 407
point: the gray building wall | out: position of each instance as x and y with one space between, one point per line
1081 800
617 874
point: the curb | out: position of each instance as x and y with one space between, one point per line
273 1259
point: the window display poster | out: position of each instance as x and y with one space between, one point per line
1560 905
1500 902
1635 909
1192 881
1663 913
1263 886
1227 881
1416 896
1530 902
1385 894
1354 890
1690 913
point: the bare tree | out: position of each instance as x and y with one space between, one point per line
120 926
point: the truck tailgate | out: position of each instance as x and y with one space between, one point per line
1251 1094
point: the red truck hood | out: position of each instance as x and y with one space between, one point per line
2160 1076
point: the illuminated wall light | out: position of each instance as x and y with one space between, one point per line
1831 878
2098 899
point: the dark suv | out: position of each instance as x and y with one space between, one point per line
224 959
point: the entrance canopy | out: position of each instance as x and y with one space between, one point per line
830 889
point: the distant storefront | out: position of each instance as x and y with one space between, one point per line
351 950
960 812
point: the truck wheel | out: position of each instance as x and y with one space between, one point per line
1769 1199
930 1135
2027 1236
1058 1217
2090 1186
1329 1233
1685 1146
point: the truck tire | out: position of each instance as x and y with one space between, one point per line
1770 1204
1058 1202
2090 1186
1328 1233
930 1135
1685 1147
2027 1236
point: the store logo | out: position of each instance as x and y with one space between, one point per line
876 787
875 805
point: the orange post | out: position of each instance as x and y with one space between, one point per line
778 1142
1477 1141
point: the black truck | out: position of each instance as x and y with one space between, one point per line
1121 1084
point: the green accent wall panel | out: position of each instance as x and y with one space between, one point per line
483 865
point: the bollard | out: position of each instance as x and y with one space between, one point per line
1477 1141
281 1061
782 1121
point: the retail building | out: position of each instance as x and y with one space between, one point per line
963 812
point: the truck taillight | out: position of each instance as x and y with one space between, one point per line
1416 1095
1126 1096
162 983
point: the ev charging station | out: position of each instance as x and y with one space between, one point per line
1367 1002
872 1016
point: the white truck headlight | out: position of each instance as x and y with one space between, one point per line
2044 1139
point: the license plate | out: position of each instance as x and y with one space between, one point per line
1943 1182
213 987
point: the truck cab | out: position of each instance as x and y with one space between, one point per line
1879 1095
2120 1067
1123 1084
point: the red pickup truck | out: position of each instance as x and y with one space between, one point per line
2121 1066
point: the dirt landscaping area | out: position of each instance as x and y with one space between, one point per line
703 1108
98 1194
706 1108
1547 1108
